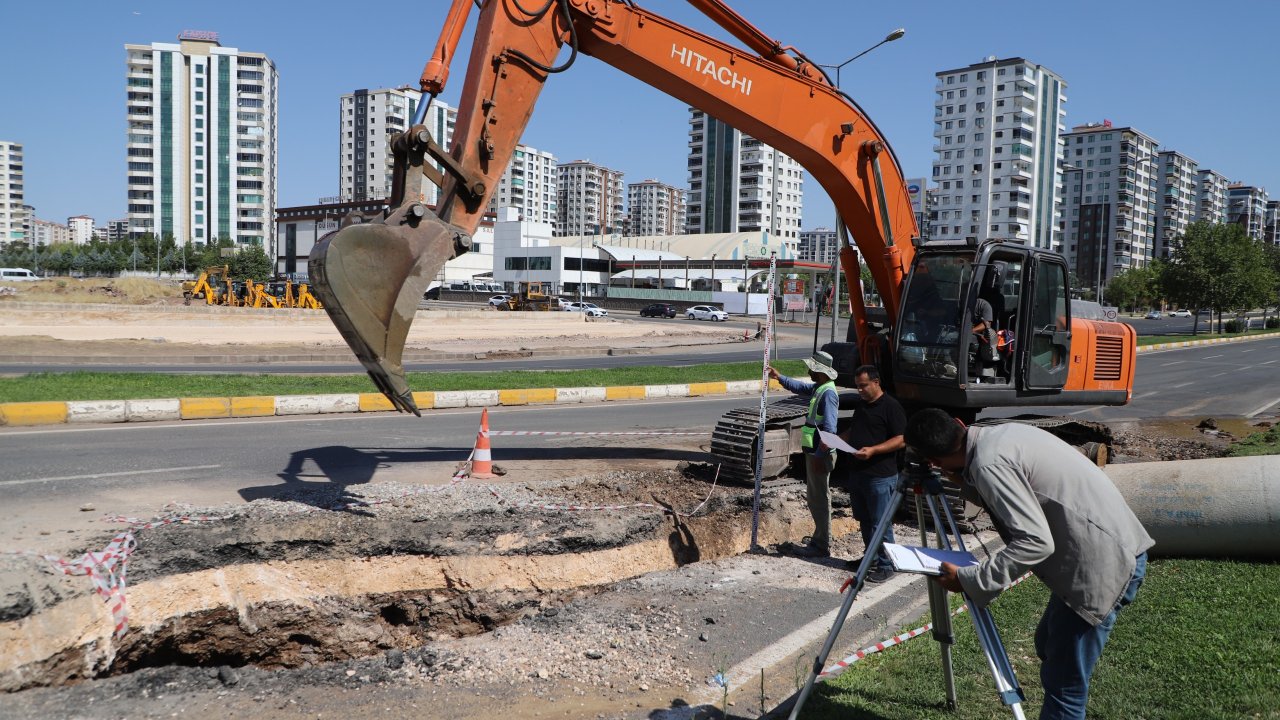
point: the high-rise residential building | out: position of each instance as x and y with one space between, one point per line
81 227
997 130
1271 231
589 198
1247 207
739 184
366 121
201 141
1110 207
819 245
12 214
1178 194
654 208
1211 197
117 230
530 184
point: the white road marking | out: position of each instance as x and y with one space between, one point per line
1175 362
1210 357
1249 350
1264 408
1147 394
95 476
1181 385
1268 362
1221 374
1088 409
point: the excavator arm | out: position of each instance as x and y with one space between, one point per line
371 276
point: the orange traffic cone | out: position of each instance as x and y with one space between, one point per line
481 460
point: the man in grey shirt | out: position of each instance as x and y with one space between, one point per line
1062 519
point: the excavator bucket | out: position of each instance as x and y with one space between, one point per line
370 278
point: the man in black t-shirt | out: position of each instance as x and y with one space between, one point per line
871 474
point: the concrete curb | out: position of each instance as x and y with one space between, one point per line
117 411
23 414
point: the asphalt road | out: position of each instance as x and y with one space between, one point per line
55 469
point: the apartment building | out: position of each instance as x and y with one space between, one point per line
81 227
366 121
1271 231
1178 200
201 140
820 245
1110 201
46 233
589 199
530 185
998 146
739 184
1211 197
1247 207
654 208
13 216
117 230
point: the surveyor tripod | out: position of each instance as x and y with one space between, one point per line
925 483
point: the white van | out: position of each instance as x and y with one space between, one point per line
17 274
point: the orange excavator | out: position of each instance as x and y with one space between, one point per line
1039 349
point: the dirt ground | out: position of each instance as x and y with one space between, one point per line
470 600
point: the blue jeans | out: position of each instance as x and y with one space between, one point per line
869 497
1069 648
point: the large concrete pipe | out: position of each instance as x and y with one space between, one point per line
1224 507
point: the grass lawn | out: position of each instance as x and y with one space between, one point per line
1157 339
1201 642
134 386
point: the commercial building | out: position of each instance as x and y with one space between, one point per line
820 245
1211 197
367 119
530 185
1247 207
739 184
13 216
997 130
590 198
1178 200
655 208
1110 208
201 141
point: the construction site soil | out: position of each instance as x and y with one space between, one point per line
580 594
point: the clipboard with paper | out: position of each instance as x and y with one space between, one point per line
926 560
834 442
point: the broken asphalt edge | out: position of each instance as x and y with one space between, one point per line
209 408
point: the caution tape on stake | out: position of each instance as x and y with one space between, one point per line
844 664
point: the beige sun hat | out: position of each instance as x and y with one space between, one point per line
822 363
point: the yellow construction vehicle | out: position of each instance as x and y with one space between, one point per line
257 295
306 299
212 284
536 296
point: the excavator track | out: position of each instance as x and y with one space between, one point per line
733 442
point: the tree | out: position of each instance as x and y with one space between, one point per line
1135 287
251 263
1218 267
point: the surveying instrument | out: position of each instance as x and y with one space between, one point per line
925 482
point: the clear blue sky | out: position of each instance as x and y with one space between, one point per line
1200 77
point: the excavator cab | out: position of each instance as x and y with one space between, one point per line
946 354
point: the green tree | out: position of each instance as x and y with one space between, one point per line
251 263
1135 287
1217 267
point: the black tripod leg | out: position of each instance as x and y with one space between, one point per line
939 608
868 557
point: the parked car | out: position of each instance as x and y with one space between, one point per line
706 312
1180 313
591 309
1152 315
658 310
497 300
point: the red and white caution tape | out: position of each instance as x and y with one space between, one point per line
521 433
841 666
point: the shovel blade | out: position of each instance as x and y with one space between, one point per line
370 278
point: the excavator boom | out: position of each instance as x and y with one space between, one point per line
371 276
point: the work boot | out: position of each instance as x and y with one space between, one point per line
879 574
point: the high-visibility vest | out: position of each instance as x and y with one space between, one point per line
815 415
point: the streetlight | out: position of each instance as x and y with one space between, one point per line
896 34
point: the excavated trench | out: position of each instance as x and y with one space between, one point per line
289 585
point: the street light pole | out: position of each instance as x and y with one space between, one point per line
896 34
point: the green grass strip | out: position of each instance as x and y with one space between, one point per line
1200 642
1157 339
134 386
